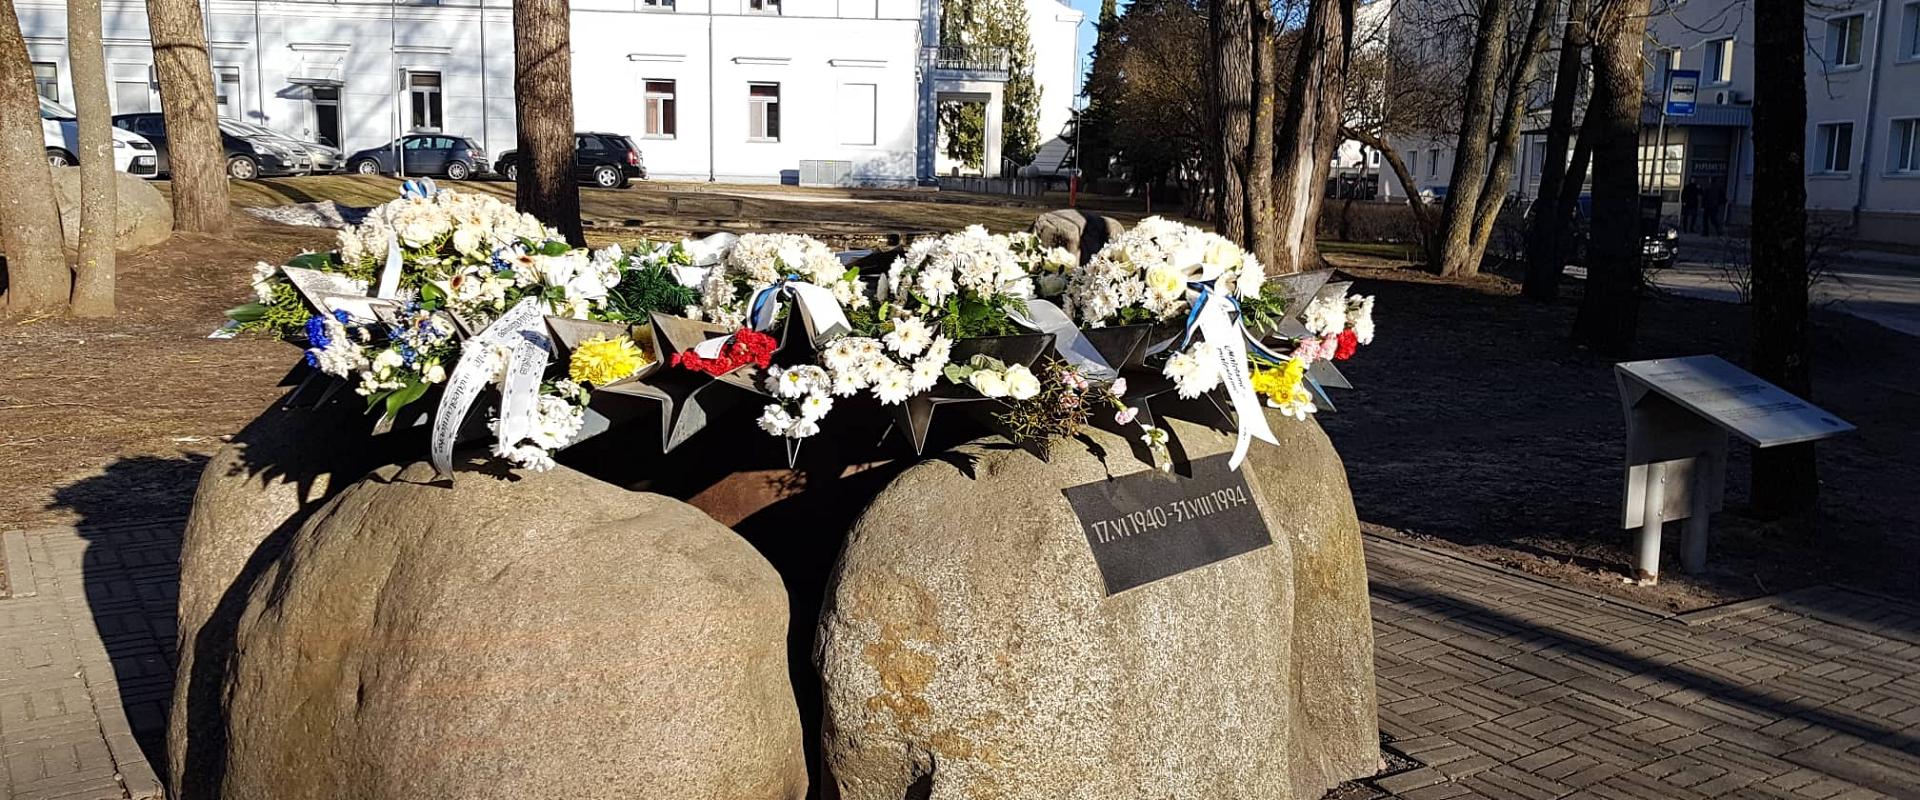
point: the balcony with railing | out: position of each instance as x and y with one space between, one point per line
968 62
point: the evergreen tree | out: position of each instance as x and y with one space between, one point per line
995 26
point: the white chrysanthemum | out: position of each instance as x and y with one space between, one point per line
925 373
910 337
1360 317
555 422
1194 372
775 420
814 407
893 385
264 276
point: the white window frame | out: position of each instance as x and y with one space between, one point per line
759 118
1904 159
1433 162
1834 49
1717 61
40 85
1413 166
435 106
671 113
768 7
1824 139
1676 58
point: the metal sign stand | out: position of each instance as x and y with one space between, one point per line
1680 413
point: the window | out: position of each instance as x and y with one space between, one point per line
763 6
226 91
1719 67
662 122
1910 31
1413 165
1674 55
424 89
1433 162
131 97
763 112
1906 145
1843 40
662 5
46 79
326 114
856 113
1373 158
1836 147
1661 169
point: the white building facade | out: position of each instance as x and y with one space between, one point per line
726 90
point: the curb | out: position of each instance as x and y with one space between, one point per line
17 565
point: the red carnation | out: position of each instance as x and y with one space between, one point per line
742 348
1348 343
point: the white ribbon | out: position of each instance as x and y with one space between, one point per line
470 375
390 275
706 254
520 393
1216 326
1068 341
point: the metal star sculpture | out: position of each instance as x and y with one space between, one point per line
915 416
687 399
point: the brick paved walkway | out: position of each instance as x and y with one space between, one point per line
86 648
1502 686
1509 688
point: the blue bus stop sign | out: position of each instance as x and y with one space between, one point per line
1683 89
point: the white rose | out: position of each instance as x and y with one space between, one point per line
1022 384
988 382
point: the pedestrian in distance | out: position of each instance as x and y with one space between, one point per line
1713 203
1690 206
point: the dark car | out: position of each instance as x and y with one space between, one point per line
249 155
454 157
607 160
323 159
1659 242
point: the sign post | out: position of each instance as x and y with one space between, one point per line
1680 412
1683 90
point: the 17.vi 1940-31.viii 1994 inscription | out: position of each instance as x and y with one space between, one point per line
1150 525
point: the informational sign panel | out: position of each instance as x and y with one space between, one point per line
1760 413
1683 92
1153 525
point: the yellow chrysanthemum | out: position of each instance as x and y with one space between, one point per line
600 361
1282 384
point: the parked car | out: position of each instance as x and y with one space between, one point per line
1659 242
249 155
456 157
322 158
607 160
132 153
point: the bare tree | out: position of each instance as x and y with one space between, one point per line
1493 193
198 160
1610 311
1546 258
37 278
1785 481
1229 31
1310 130
93 272
543 93
1261 231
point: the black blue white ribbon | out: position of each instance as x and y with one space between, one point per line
422 188
817 307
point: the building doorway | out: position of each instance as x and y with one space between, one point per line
326 115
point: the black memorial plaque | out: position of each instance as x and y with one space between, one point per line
1153 525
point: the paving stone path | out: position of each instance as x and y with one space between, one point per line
1501 686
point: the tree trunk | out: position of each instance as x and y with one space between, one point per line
194 150
94 265
1470 150
1309 132
37 278
1610 311
543 89
1229 28
1260 224
1422 213
1784 478
1546 259
1493 194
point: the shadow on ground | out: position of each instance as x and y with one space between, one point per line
1476 422
131 571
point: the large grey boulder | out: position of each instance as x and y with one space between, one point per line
968 647
1335 712
252 496
508 637
1077 231
142 217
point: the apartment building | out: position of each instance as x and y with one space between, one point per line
728 90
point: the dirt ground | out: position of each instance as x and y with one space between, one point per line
1475 426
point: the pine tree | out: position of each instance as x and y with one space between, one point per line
998 26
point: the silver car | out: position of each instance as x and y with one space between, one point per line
321 159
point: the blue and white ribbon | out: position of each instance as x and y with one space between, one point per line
817 308
422 188
1211 318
